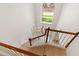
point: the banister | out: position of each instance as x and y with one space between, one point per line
18 50
71 33
30 39
72 39
40 35
47 30
62 31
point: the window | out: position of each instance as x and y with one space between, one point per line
48 12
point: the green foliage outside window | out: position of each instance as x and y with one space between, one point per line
47 18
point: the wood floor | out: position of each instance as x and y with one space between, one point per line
46 49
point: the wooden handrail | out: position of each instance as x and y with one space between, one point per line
72 39
30 39
18 50
62 31
40 35
71 33
54 30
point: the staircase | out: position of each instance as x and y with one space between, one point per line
42 45
51 43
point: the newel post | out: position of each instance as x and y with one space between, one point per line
47 34
30 41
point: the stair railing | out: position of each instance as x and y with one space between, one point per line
30 39
64 35
17 51
73 35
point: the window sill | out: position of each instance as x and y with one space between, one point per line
49 23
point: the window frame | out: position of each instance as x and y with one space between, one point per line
48 15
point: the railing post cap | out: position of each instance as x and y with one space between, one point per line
29 38
48 28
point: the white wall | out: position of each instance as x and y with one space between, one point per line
69 21
16 22
69 17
